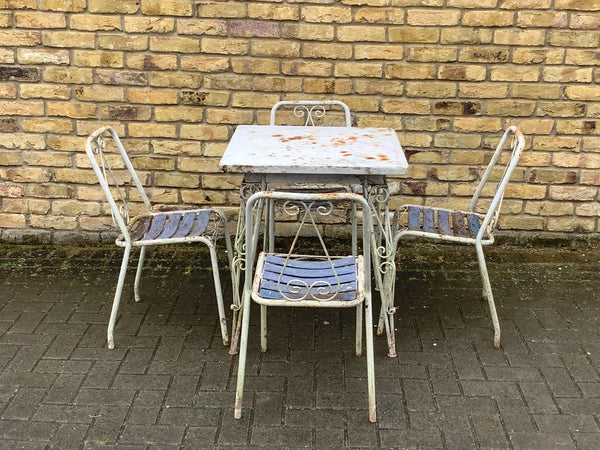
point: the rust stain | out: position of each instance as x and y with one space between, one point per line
383 157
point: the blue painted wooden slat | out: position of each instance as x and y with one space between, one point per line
156 227
443 217
186 224
474 224
322 264
458 222
428 224
201 223
414 218
171 225
305 272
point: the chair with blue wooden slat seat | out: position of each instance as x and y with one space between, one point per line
473 226
150 228
321 280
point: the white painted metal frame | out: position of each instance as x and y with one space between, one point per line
465 227
309 110
206 226
315 203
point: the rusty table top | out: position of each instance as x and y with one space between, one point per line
266 149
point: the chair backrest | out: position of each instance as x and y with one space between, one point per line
110 175
517 143
309 110
308 212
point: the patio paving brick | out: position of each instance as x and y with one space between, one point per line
170 383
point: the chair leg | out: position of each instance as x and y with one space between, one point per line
219 294
487 294
263 328
359 320
370 360
239 393
117 299
138 275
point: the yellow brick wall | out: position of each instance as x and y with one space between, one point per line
174 77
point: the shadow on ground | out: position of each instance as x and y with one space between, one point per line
170 382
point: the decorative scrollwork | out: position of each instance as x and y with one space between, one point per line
247 189
315 112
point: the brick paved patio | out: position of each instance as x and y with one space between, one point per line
170 382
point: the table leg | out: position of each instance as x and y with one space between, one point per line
384 266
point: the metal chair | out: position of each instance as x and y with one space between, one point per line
466 227
150 228
292 280
310 110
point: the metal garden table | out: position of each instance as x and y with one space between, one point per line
359 158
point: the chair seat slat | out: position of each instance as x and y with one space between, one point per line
428 222
156 226
474 223
276 295
458 224
171 225
202 219
298 261
414 218
185 225
444 222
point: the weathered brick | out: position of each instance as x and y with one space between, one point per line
585 21
555 143
570 225
97 22
253 100
302 68
151 25
10 158
72 110
456 108
67 75
62 5
119 77
125 112
100 93
201 165
199 98
167 7
40 20
577 38
25 206
276 49
581 160
390 52
205 63
488 18
152 62
21 108
466 36
152 96
26 175
68 39
541 91
423 17
326 14
254 28
47 158
578 127
276 11
328 86
204 132
53 222
221 10
17 38
327 50
421 35
567 74
357 33
43 56
8 73
583 57
127 43
432 54
410 72
225 46
433 89
484 55
359 70
113 6
510 74
277 84
177 180
98 59
405 106
21 141
178 114
229 116
462 72
313 32
561 109
548 208
48 91
13 220
174 44
477 124
510 108
60 126
152 130
580 5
